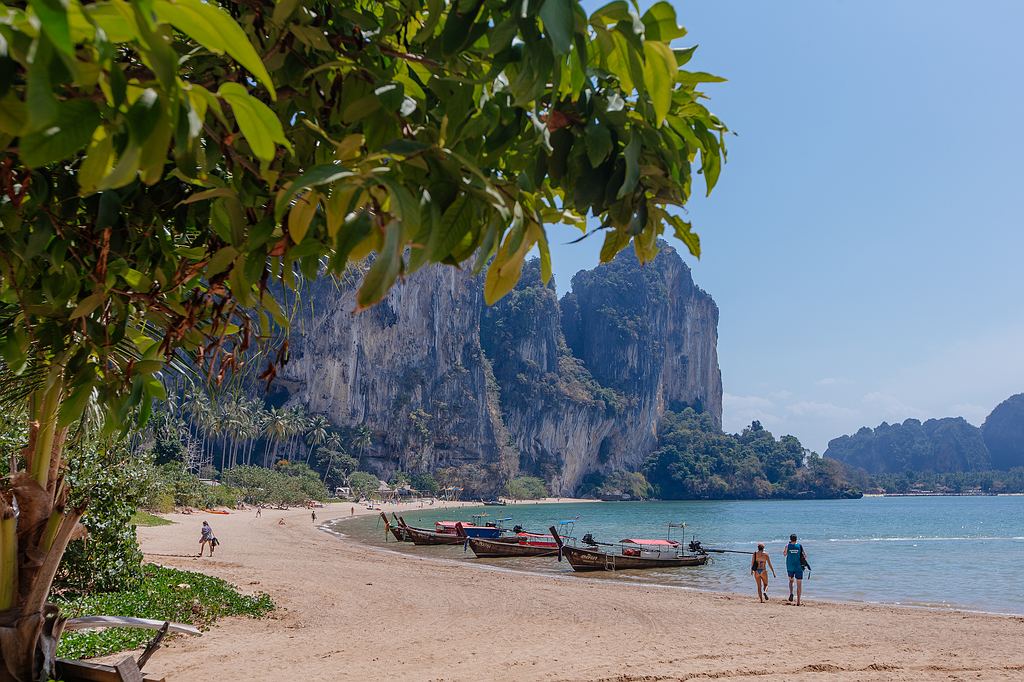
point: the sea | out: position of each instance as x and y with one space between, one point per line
936 552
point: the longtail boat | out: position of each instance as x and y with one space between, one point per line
473 530
630 553
422 536
395 530
520 545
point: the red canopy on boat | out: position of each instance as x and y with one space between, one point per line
657 543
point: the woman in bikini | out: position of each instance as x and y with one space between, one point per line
759 566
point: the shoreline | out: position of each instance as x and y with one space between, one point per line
384 549
352 610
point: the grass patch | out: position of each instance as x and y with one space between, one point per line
144 518
165 594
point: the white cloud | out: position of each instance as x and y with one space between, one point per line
891 408
812 408
739 410
975 414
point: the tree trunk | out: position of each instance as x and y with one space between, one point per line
28 643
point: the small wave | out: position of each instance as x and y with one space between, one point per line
924 538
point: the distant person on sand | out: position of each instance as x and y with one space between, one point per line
207 537
759 566
259 511
795 562
314 516
352 511
280 522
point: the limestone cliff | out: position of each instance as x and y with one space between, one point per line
585 382
577 386
411 369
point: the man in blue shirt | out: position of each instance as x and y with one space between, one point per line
795 562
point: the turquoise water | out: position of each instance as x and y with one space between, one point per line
962 552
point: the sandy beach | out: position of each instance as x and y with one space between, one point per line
349 612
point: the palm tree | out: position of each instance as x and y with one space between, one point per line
276 429
333 447
317 434
363 439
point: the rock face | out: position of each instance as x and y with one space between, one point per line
937 445
531 385
410 368
1003 431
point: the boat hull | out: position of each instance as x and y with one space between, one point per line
509 547
419 536
595 560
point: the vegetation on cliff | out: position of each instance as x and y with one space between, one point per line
696 460
949 444
1003 432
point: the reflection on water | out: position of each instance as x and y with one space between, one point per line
965 552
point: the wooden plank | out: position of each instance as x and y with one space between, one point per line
129 671
85 671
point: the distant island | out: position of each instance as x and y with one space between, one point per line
947 455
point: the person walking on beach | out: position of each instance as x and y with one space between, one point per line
259 510
314 516
207 538
795 562
759 566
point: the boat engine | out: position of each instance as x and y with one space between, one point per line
588 539
696 548
517 529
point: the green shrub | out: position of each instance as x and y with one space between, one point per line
143 518
289 484
163 594
161 501
363 484
526 488
109 558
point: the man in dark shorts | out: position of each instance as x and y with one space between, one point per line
795 562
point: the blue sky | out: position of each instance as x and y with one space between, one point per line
865 241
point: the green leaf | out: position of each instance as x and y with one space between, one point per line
507 266
660 23
612 13
70 131
221 260
683 232
73 407
455 223
301 216
283 10
659 75
116 20
614 241
545 258
361 108
39 97
695 77
314 177
632 156
87 305
97 162
559 22
598 141
214 29
53 18
12 115
256 120
385 269
125 170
